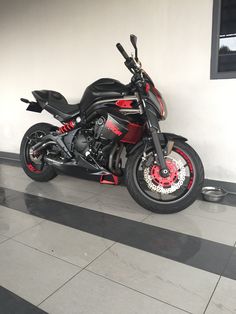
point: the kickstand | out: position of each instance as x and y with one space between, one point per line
114 181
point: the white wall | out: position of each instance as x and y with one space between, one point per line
65 45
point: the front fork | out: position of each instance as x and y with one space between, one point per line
154 129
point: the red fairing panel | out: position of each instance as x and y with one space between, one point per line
134 135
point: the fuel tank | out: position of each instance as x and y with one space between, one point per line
103 89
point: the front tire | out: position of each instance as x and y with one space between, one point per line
36 169
140 191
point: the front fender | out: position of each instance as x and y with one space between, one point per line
163 137
171 137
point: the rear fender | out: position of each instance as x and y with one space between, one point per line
163 137
35 107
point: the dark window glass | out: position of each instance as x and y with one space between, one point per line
223 52
227 40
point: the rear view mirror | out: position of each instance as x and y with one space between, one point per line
133 40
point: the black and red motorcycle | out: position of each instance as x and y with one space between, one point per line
163 173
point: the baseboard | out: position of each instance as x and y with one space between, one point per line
9 156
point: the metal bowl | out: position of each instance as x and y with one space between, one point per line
213 194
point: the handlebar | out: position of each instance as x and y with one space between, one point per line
122 51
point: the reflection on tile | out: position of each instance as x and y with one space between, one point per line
117 206
13 222
79 184
196 226
30 274
90 294
185 287
69 244
212 211
224 298
48 190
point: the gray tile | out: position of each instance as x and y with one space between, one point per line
118 192
230 269
90 294
126 208
13 222
79 184
10 171
201 227
59 193
48 190
212 211
2 238
69 244
31 274
224 298
177 284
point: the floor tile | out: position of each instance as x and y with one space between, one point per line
79 184
193 251
12 222
69 244
212 211
230 269
90 294
126 208
177 284
48 190
197 226
2 238
30 274
10 303
119 192
224 298
10 171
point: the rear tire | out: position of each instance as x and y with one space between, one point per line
165 207
47 172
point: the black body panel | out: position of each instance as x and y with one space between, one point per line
56 103
35 107
103 89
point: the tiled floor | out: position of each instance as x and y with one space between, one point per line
74 246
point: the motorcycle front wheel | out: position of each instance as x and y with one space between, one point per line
165 195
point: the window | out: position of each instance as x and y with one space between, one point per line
223 54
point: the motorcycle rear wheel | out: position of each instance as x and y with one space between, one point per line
36 168
168 195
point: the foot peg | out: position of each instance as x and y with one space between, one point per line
113 181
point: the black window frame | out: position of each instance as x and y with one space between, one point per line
215 74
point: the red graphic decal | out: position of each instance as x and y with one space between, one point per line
110 125
124 103
189 165
147 88
135 132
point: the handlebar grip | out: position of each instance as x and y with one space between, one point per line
25 100
122 51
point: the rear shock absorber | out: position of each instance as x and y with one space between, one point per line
69 126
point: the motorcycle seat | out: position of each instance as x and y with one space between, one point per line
56 100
